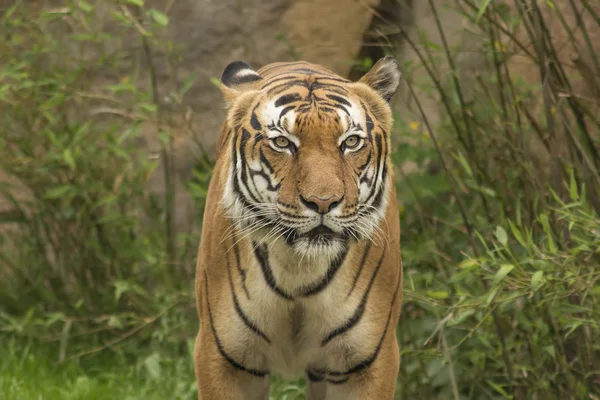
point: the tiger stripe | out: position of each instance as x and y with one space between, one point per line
238 309
358 313
236 364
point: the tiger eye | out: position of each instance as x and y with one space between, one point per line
351 142
282 141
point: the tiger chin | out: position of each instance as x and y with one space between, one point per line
299 269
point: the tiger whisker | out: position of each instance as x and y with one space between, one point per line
276 230
242 218
247 231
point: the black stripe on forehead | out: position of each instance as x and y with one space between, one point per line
332 87
305 108
271 82
286 85
334 79
285 111
268 68
341 107
305 82
328 110
339 100
287 99
301 71
307 72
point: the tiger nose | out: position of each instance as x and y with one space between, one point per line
322 206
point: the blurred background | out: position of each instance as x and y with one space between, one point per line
109 113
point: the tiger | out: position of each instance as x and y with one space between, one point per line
299 271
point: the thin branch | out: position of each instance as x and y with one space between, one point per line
125 336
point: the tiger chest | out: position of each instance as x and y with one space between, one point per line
277 327
290 337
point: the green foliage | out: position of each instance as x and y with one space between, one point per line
85 244
501 253
30 371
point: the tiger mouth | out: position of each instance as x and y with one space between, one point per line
321 235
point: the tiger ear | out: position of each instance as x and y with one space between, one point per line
384 77
237 78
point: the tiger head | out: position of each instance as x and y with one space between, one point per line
307 153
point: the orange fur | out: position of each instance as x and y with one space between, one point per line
322 303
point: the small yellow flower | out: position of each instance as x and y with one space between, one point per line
553 110
414 125
400 209
499 46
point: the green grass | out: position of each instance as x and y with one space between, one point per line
29 370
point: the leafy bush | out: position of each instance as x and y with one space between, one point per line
501 250
85 246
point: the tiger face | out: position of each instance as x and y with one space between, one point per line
308 153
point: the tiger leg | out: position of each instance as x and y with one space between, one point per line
219 380
378 382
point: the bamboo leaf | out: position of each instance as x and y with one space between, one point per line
501 235
68 157
159 17
537 280
437 295
57 192
517 234
482 9
491 296
502 272
573 186
546 225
